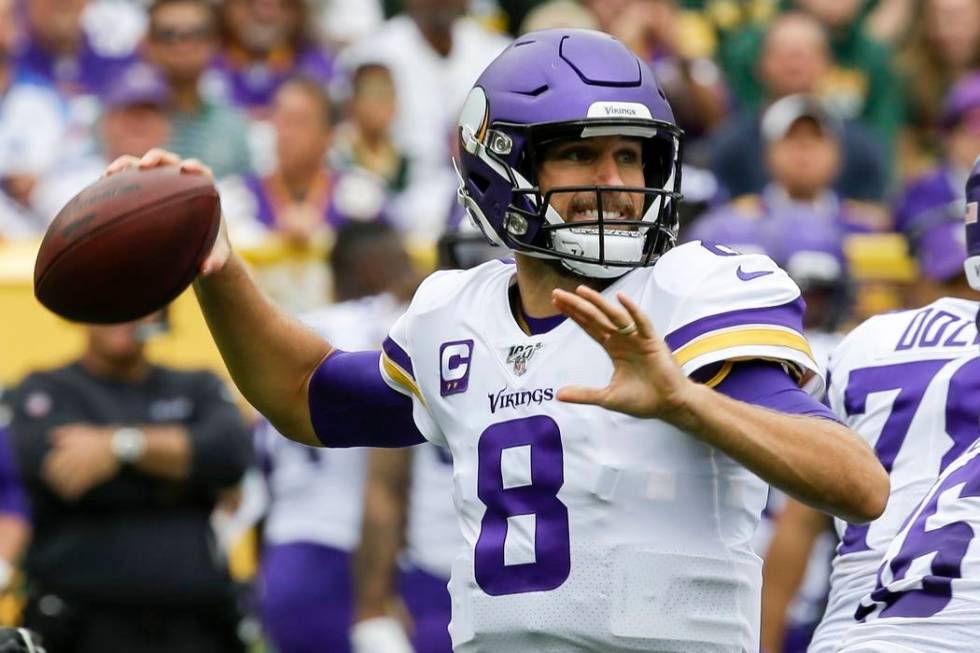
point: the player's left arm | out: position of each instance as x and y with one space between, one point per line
815 459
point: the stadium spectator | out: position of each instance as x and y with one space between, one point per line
435 53
929 209
795 58
365 141
860 81
345 21
802 156
302 201
691 80
79 57
315 497
124 461
181 42
135 118
558 13
264 43
14 512
943 46
32 125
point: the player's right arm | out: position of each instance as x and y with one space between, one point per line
273 358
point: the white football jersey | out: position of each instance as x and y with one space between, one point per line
586 529
317 494
432 538
908 383
927 593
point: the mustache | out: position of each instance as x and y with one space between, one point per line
620 203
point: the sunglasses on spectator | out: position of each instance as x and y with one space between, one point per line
176 35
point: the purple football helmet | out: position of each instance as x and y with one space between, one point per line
972 263
810 248
556 85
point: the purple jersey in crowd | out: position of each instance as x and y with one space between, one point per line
252 85
12 498
930 213
87 72
936 196
337 196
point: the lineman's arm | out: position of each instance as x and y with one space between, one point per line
271 357
377 627
383 530
797 528
817 460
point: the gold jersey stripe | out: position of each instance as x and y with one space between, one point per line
400 376
742 338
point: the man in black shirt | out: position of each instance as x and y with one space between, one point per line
124 461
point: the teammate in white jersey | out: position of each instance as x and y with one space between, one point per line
906 382
315 496
595 517
410 519
925 594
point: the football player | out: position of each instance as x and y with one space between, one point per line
409 516
605 497
923 597
315 496
907 383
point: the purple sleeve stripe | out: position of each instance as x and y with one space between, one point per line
398 355
352 406
789 315
767 384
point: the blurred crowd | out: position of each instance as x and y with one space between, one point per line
318 113
833 135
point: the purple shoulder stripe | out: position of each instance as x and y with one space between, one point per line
398 355
789 315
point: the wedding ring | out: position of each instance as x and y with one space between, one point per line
626 330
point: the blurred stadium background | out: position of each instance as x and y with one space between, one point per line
834 135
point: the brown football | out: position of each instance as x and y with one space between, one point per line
127 245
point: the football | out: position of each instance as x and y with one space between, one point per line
127 245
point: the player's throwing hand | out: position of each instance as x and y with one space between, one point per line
646 382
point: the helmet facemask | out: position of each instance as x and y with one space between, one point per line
622 228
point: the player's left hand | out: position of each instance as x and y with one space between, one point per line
81 457
646 382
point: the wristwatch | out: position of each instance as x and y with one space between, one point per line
128 444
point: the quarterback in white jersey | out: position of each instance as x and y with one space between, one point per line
908 382
614 513
540 483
